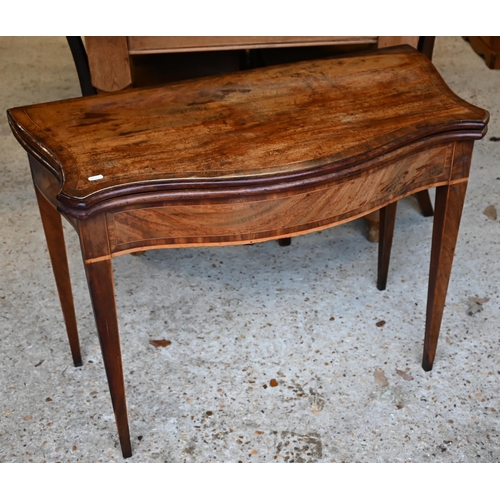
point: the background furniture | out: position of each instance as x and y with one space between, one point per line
488 47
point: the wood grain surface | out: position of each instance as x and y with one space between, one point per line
247 219
277 121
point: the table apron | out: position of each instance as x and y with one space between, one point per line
248 219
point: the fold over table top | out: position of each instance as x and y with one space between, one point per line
244 128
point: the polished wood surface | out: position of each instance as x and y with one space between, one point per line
256 126
449 204
253 156
242 216
53 229
101 286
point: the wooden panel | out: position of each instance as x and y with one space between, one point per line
109 62
449 205
164 44
247 220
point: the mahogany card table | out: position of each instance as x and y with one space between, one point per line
248 157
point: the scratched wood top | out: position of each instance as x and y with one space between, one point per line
262 124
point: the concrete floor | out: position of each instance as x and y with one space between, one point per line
238 317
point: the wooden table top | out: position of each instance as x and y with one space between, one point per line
300 118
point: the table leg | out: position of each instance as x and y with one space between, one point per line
102 295
425 204
447 214
387 220
284 242
54 235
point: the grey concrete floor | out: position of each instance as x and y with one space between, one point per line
238 317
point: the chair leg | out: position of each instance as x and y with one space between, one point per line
82 64
387 220
425 204
102 294
52 226
448 211
284 242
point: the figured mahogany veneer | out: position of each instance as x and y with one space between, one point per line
253 156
